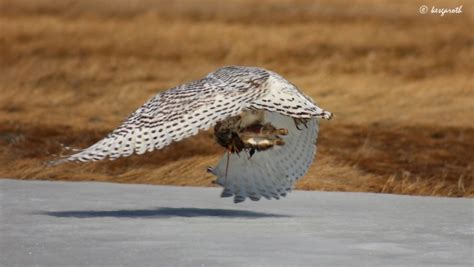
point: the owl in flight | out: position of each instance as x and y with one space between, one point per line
267 126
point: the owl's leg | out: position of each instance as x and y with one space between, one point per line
227 168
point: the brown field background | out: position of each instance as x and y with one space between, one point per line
400 84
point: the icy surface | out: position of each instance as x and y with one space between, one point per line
100 224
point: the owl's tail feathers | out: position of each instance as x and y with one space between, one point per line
251 177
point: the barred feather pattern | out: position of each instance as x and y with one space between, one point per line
284 97
270 173
184 110
179 112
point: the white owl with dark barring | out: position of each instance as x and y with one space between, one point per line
268 127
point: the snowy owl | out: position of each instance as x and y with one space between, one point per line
267 126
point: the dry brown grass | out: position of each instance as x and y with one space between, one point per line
399 83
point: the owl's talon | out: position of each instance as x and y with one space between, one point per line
299 121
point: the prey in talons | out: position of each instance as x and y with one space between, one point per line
247 132
254 137
260 137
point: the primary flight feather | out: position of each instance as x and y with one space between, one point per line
267 125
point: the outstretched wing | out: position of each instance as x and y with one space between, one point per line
179 113
270 173
285 98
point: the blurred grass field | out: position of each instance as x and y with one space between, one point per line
399 82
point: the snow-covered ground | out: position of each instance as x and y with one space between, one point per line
99 224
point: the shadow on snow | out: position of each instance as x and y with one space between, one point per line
161 213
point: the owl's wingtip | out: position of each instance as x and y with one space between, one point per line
327 115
